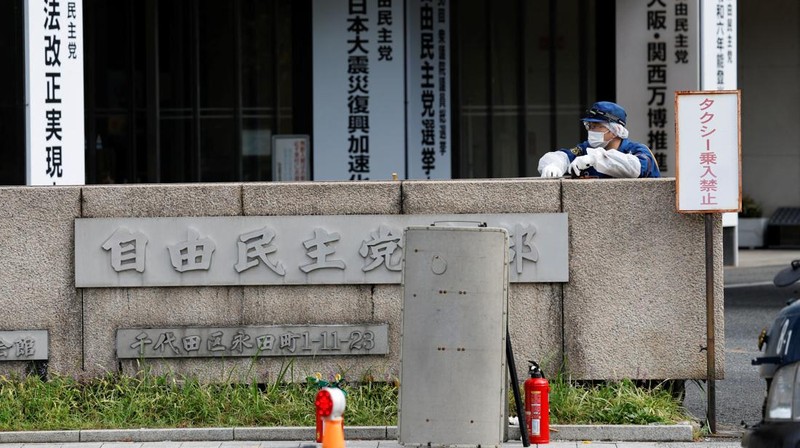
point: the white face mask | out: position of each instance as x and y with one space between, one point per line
596 139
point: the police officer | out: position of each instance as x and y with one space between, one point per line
606 153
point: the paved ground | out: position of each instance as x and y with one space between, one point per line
751 302
376 444
758 266
766 257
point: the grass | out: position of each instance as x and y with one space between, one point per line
118 401
617 402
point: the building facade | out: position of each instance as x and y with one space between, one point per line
186 90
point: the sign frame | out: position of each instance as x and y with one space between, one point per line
687 93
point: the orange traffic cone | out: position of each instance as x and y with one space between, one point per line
333 433
330 407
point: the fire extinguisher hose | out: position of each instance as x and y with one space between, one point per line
512 369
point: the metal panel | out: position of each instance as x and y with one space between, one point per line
455 290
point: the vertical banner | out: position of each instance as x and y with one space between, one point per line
358 50
658 53
54 92
719 45
709 175
428 115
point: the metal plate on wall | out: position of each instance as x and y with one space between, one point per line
249 341
24 345
455 289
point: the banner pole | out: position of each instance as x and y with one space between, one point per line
710 347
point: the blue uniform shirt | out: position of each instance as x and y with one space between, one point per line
649 166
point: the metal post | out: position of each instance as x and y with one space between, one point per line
512 369
710 349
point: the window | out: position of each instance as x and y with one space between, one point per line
523 76
190 90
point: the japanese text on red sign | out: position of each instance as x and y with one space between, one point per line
707 183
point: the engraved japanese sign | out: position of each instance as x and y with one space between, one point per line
290 250
275 340
26 345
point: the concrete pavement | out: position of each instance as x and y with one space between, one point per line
750 258
710 443
371 444
758 267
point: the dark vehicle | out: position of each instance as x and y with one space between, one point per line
780 420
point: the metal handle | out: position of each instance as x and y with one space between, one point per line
477 223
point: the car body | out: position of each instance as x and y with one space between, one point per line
780 368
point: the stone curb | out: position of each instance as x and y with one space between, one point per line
40 436
623 433
620 433
157 435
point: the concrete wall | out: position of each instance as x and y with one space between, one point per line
634 306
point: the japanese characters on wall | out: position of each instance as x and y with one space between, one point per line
658 53
249 341
358 79
709 151
381 89
54 92
428 83
30 345
719 45
277 250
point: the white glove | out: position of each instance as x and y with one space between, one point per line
617 164
552 170
556 163
581 163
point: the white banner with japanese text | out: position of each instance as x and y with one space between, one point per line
54 92
709 176
719 45
658 53
428 31
358 82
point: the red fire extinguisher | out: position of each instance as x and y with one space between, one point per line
537 405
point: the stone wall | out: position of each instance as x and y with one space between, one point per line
634 306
